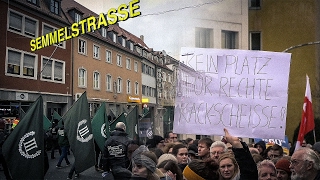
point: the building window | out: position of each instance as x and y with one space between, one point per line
146 69
254 4
20 63
96 52
136 66
96 80
114 37
148 91
48 29
164 76
128 87
22 24
229 40
128 63
131 46
55 6
123 42
82 79
203 38
119 85
136 88
169 78
104 32
119 60
52 70
109 82
108 56
82 47
77 17
255 40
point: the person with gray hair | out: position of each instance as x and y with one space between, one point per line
305 165
216 149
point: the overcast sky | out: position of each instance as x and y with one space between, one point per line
155 21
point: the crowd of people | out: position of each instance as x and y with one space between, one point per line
170 158
204 159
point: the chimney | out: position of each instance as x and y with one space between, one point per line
142 37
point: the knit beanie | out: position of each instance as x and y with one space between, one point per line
165 157
283 164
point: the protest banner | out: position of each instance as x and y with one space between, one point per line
241 90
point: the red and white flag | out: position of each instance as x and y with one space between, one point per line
307 120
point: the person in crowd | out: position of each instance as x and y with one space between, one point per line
115 157
156 142
168 164
276 152
192 152
199 169
283 170
144 166
170 137
204 148
189 141
257 158
53 138
168 148
239 165
267 152
3 136
305 165
64 145
254 150
261 146
171 169
165 157
228 167
73 171
216 149
267 170
98 157
180 151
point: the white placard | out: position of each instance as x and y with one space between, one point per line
241 90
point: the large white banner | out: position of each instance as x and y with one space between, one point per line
241 90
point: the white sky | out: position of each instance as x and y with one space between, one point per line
158 30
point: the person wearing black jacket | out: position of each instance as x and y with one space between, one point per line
247 166
115 157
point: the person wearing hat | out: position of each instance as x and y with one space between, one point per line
192 152
156 142
283 170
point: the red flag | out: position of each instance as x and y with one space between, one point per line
307 120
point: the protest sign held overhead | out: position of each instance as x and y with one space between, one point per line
244 91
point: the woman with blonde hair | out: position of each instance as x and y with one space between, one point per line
228 167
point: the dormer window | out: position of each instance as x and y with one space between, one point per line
114 37
77 17
123 42
55 6
104 32
131 46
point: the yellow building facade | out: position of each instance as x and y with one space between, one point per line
278 25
